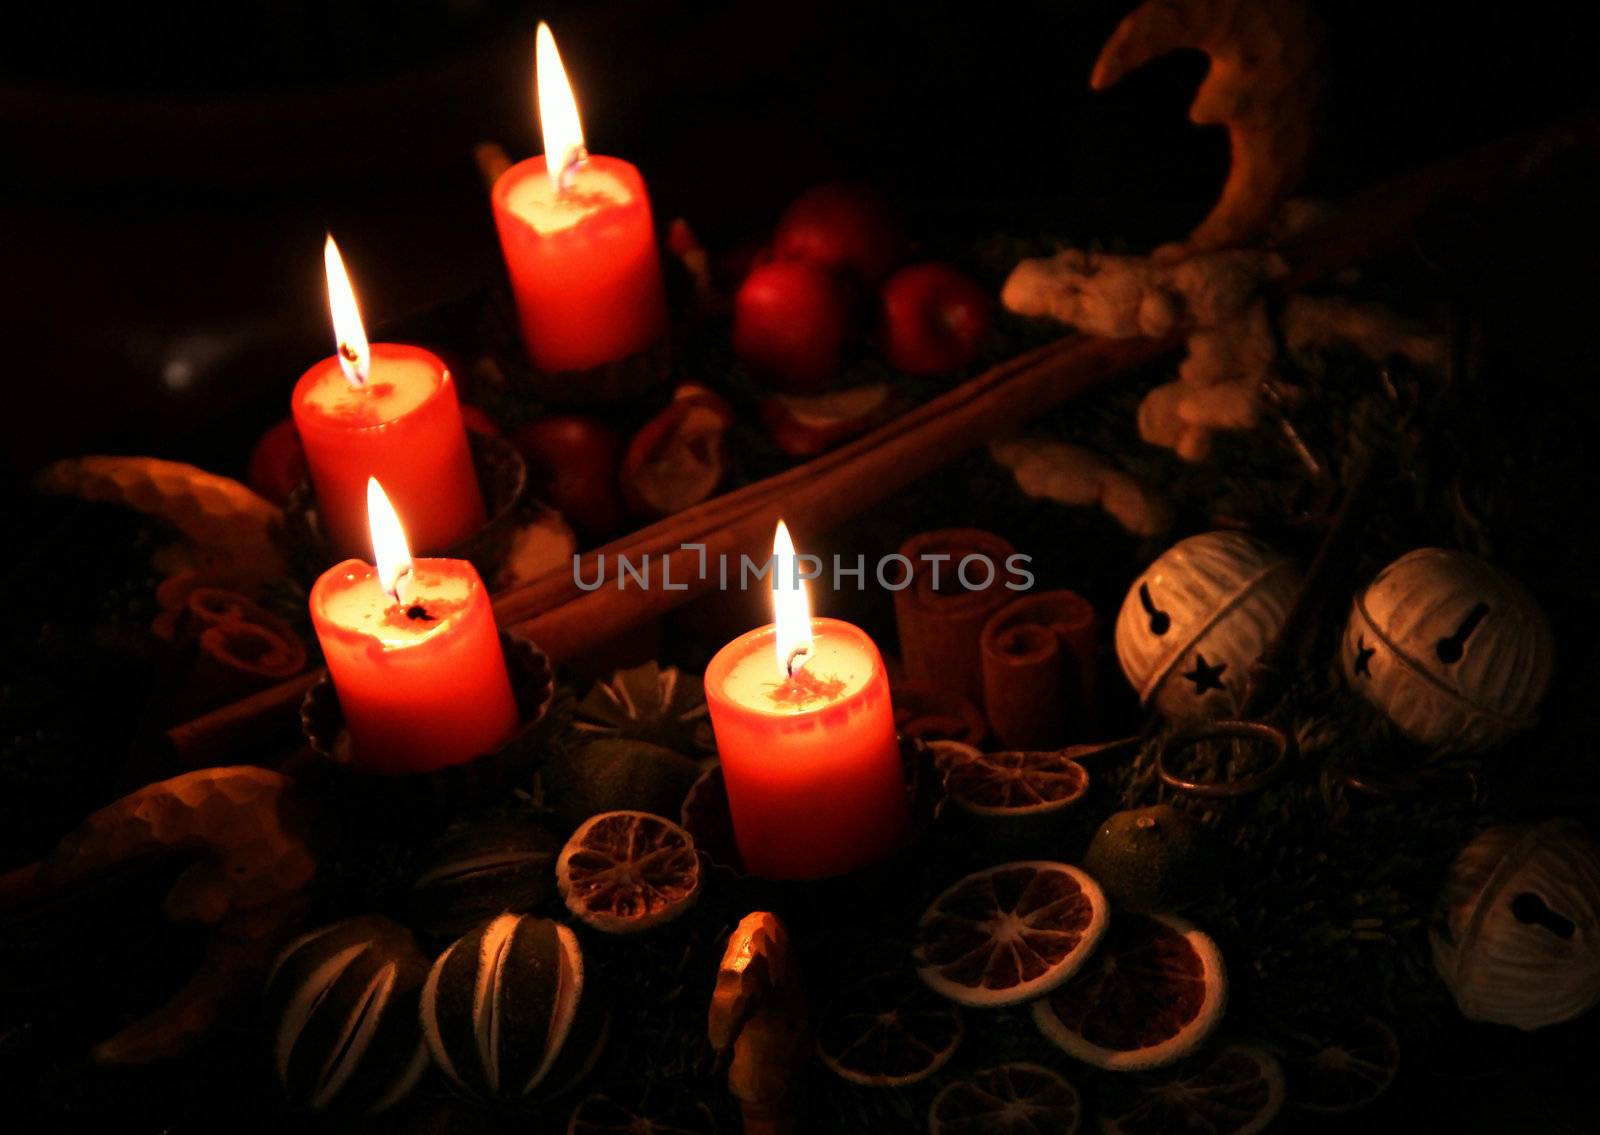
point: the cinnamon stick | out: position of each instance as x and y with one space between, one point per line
1039 659
840 484
834 489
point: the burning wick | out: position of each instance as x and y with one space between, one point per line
797 659
353 351
390 552
396 588
574 159
564 148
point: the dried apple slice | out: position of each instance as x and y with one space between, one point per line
806 425
680 456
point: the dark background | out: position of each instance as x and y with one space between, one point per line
172 166
171 170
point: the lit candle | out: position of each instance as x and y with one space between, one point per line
807 740
388 411
578 240
413 652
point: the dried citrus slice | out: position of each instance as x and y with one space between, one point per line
1013 1099
1348 1066
623 872
1008 784
1154 991
886 1031
601 1115
1238 1091
1010 933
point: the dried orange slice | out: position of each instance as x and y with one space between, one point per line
623 872
1154 991
1008 784
1238 1091
1349 1065
1010 933
1013 1099
886 1031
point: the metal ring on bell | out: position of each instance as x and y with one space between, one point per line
1280 741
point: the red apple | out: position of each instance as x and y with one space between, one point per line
934 319
572 466
475 418
843 225
790 319
680 457
277 463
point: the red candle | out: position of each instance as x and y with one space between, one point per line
806 736
413 652
388 411
578 241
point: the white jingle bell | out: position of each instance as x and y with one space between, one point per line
1517 939
1197 619
1450 649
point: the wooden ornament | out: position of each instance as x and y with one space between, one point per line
229 531
1264 84
758 1012
253 863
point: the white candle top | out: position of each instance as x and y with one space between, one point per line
536 201
395 386
837 668
434 599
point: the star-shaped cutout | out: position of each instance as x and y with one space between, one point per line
1364 653
1206 677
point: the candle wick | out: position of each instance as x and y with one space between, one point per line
396 587
571 160
797 659
353 365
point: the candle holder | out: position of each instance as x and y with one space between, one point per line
707 817
616 384
469 783
502 477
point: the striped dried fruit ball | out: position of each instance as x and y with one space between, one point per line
482 870
505 1013
343 1005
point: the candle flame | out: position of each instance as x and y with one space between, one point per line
791 608
558 112
355 355
389 548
